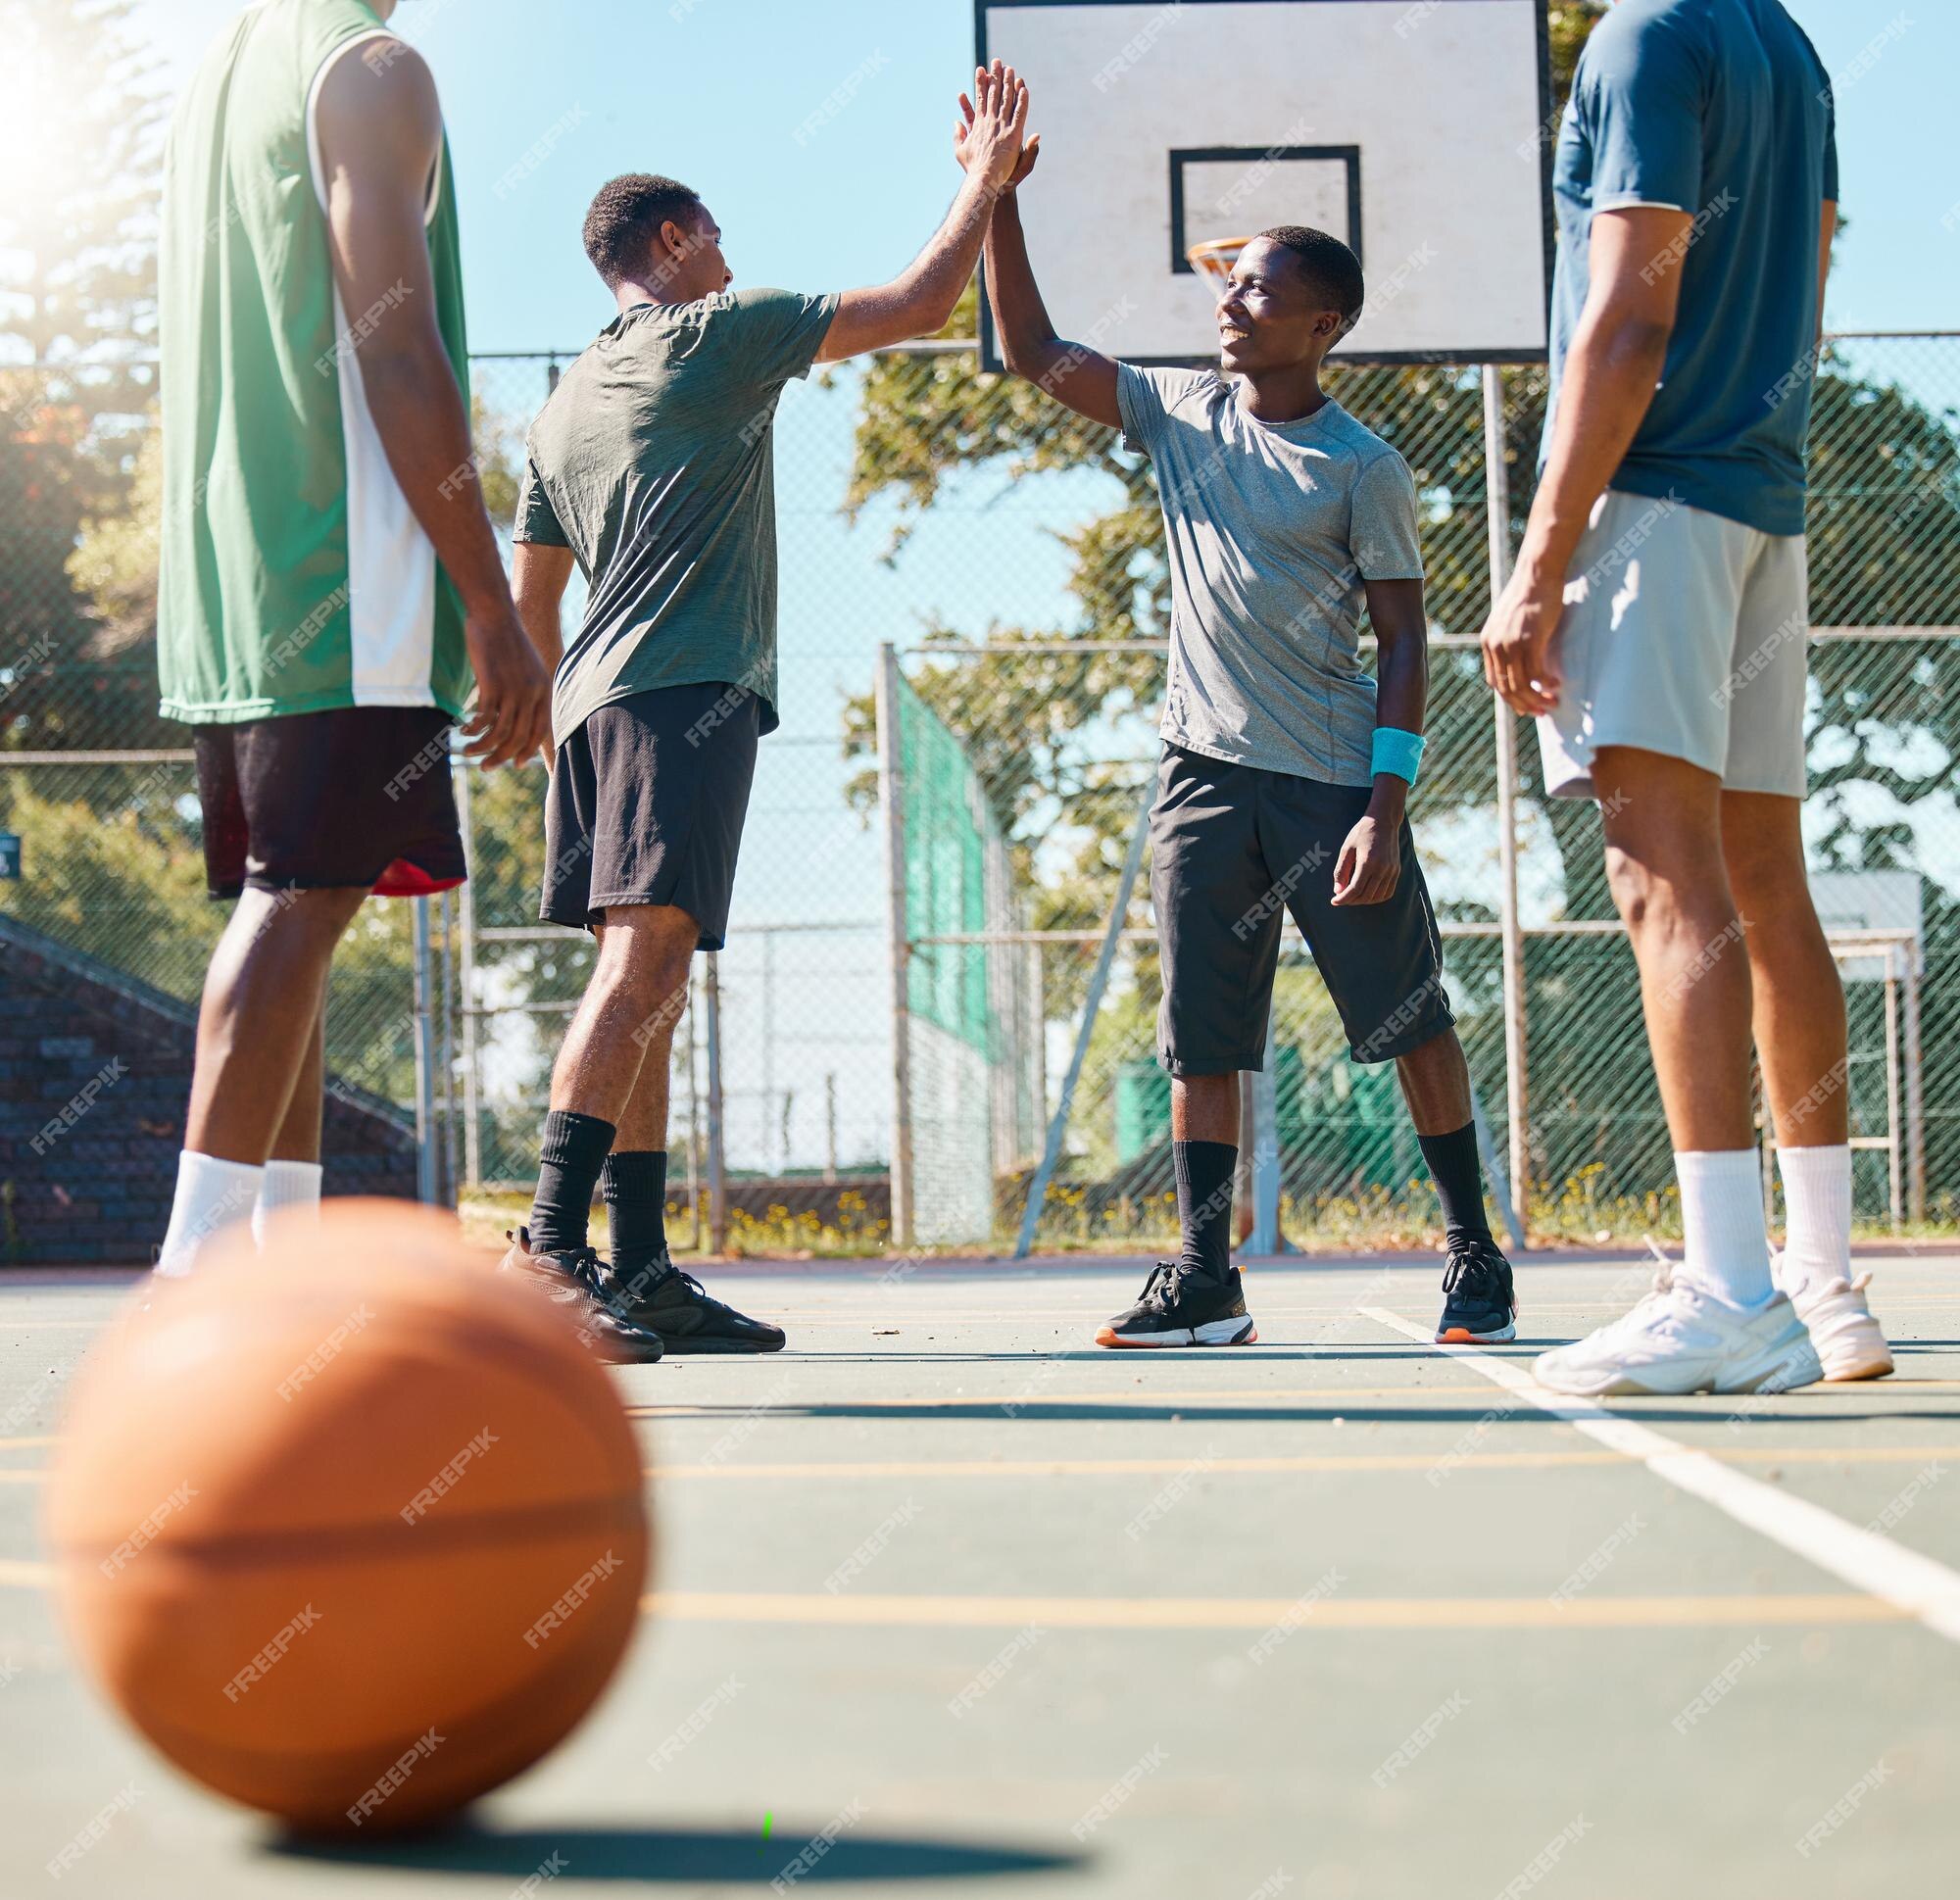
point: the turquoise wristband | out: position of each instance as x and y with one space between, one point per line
1397 751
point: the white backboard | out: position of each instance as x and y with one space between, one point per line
1887 901
1413 129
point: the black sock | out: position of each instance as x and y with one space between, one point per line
1459 1181
1205 1171
570 1157
635 1187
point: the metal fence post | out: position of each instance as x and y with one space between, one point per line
718 1170
424 1015
1915 1091
892 803
446 1051
466 917
1098 982
1498 503
1263 1138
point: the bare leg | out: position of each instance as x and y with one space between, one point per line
1799 998
637 992
642 1126
258 1023
1204 1108
1436 1085
1665 864
1800 1037
298 1139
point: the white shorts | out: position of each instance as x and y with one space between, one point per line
1684 633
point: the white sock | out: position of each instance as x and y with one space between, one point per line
1817 1194
210 1195
285 1185
1726 1248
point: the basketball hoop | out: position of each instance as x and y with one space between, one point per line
1214 257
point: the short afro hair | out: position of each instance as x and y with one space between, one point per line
1329 265
624 225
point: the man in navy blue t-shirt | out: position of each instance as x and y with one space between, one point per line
1656 626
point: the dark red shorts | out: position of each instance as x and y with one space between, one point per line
358 798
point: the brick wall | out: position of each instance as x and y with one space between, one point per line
94 1075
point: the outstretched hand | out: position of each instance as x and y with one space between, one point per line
990 139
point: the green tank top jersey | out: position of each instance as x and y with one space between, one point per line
295 577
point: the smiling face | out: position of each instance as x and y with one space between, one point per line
1272 314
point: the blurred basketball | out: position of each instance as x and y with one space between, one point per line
352 1532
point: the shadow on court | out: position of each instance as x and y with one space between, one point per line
675 1855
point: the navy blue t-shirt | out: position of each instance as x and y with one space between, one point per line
1721 109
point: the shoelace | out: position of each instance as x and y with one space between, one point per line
1160 1289
1475 1262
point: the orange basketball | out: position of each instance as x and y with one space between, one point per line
353 1531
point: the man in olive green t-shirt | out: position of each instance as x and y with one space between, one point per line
651 469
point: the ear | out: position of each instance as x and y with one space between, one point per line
674 241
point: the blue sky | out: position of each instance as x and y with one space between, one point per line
713 91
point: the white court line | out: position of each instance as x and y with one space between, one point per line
1918 1586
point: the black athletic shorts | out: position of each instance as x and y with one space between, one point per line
1233 849
357 798
646 805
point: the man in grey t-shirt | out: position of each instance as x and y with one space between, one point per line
1286 767
650 469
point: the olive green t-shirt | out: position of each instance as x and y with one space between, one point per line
653 464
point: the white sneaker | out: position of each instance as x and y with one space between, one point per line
1680 1339
1849 1341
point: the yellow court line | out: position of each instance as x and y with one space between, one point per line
926 1467
1331 1461
1801 1403
1266 1613
1220 1613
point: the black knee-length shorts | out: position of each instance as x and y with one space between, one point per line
1234 850
646 803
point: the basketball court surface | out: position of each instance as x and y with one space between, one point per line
948 1602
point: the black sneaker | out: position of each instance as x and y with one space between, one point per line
570 1278
1479 1307
664 1299
1179 1307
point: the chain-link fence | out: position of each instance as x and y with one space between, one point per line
929 508
1059 728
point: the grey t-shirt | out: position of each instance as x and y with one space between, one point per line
653 464
1272 530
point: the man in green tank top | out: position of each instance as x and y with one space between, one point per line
330 581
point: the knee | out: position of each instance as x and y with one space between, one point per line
649 982
1633 887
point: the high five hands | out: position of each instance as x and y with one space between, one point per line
989 138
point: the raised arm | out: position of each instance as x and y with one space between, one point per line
922 298
1075 376
380 134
